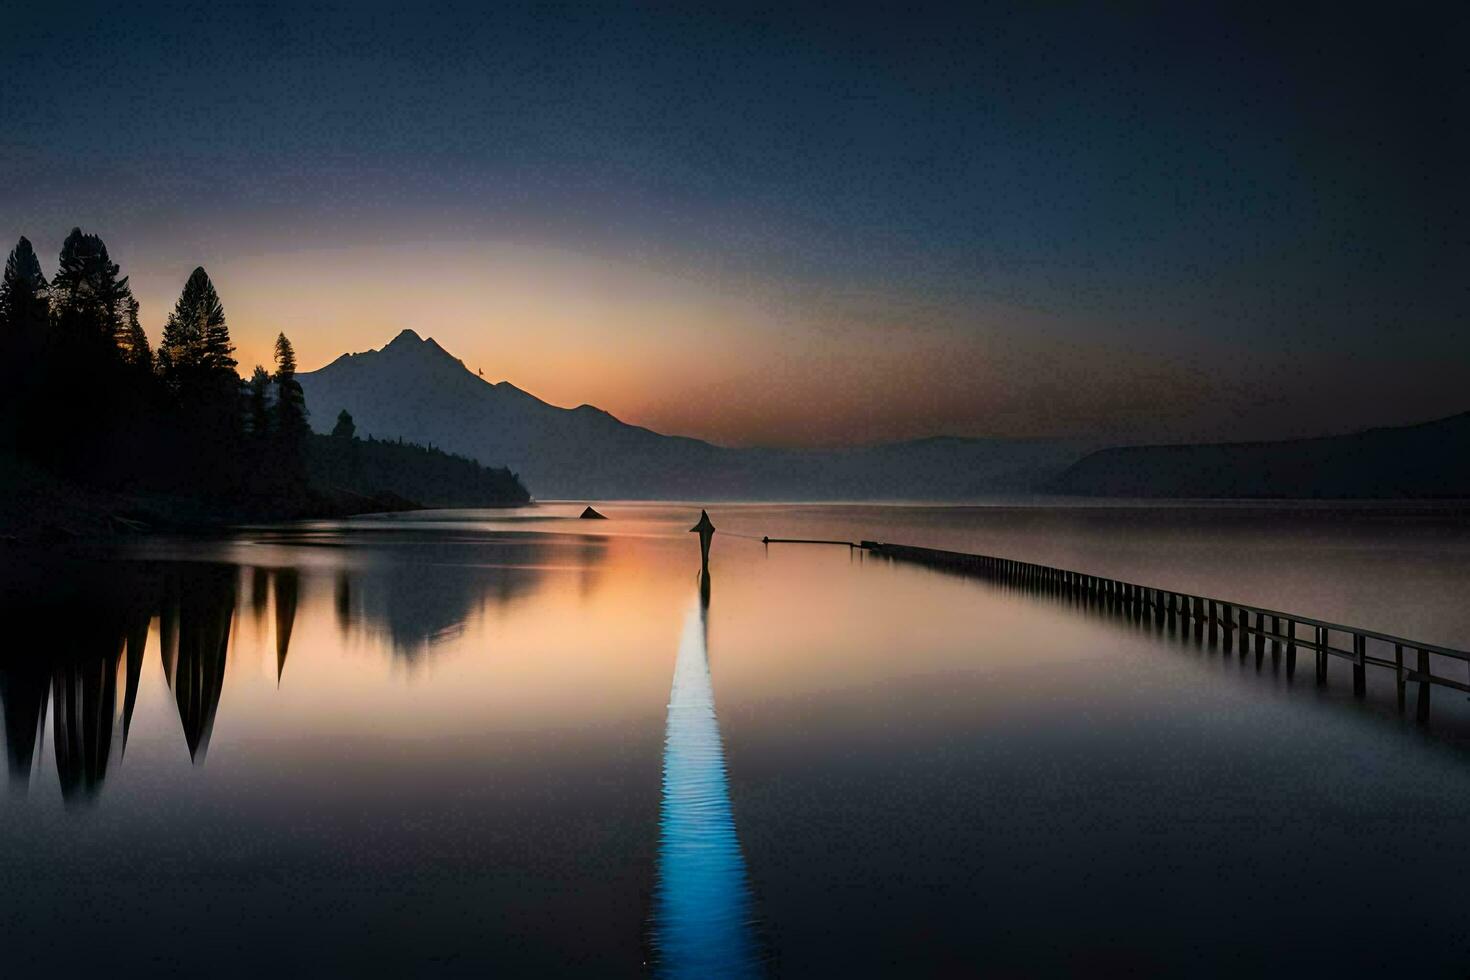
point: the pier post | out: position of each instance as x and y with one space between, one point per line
1398 673
1360 665
1422 712
1321 655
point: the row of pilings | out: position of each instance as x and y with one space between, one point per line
1229 626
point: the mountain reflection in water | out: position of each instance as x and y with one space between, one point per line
417 588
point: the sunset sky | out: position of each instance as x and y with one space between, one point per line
799 226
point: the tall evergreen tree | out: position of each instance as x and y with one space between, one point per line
291 430
260 420
25 297
196 339
290 400
133 342
25 306
196 363
285 358
89 301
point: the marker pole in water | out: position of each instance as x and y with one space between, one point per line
706 531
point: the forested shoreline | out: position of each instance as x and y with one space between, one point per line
174 435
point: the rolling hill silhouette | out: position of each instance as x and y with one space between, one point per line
1431 459
416 390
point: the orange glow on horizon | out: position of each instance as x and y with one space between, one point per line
681 356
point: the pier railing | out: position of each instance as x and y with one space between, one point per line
1233 624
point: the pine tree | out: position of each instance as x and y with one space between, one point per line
89 302
133 342
196 344
260 419
285 358
25 306
25 298
345 428
291 430
290 400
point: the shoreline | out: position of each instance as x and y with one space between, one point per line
41 509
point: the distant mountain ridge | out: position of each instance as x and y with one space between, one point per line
1430 459
414 389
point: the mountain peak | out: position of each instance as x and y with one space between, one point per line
409 348
406 338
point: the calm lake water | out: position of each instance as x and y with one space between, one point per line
458 743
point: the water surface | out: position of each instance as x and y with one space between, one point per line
457 742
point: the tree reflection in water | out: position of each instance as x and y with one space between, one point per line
421 591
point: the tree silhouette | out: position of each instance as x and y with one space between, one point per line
290 400
291 429
25 309
83 394
285 357
89 301
197 367
196 340
133 342
260 419
81 368
25 297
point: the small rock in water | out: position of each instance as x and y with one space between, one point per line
591 515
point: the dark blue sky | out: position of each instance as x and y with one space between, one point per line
1165 221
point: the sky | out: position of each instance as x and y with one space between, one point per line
791 225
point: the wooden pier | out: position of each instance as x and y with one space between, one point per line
1234 625
771 540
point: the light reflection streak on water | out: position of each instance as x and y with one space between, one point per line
702 908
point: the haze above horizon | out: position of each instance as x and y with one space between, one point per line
796 227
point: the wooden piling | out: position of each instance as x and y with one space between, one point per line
1398 673
1422 712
